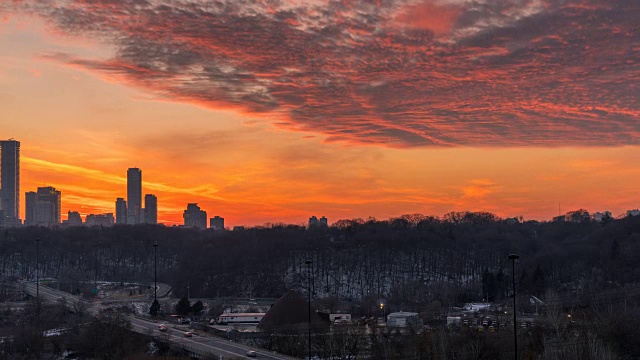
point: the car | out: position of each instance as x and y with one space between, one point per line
162 327
251 353
188 334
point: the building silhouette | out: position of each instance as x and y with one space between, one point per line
134 196
216 223
150 209
121 211
99 220
315 222
73 219
42 207
195 217
10 182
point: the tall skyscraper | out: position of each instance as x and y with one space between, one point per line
216 223
134 196
10 181
194 217
121 211
150 209
43 207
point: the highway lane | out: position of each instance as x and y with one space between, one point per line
201 344
205 343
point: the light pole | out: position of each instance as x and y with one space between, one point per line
37 277
95 259
513 258
155 272
309 262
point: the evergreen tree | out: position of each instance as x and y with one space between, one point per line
183 307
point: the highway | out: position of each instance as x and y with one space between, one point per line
201 345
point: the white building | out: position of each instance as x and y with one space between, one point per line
403 319
475 307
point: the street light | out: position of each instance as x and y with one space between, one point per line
37 277
513 258
155 272
309 262
95 259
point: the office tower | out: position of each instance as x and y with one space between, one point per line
42 207
150 209
216 223
10 181
194 217
73 219
134 196
324 221
121 211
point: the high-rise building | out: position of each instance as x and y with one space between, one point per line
216 223
121 211
10 181
42 207
134 196
315 222
150 209
195 217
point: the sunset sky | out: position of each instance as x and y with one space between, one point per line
276 110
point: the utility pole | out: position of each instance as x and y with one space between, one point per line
95 277
309 262
513 258
155 272
37 276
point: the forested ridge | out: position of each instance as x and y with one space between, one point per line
409 260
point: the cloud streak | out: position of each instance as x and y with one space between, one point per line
395 73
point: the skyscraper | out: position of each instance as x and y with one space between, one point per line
150 209
194 217
134 196
121 211
43 207
10 181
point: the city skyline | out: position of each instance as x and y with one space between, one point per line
343 109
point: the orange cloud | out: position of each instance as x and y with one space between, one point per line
428 15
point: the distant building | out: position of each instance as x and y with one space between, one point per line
73 219
599 216
134 196
99 220
238 228
195 217
635 212
150 209
42 207
121 211
403 319
216 223
315 222
10 182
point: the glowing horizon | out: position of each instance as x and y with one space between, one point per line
276 111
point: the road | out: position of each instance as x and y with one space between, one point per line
203 344
197 344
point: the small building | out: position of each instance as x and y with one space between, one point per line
403 319
335 318
454 320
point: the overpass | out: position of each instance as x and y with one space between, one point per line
197 346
